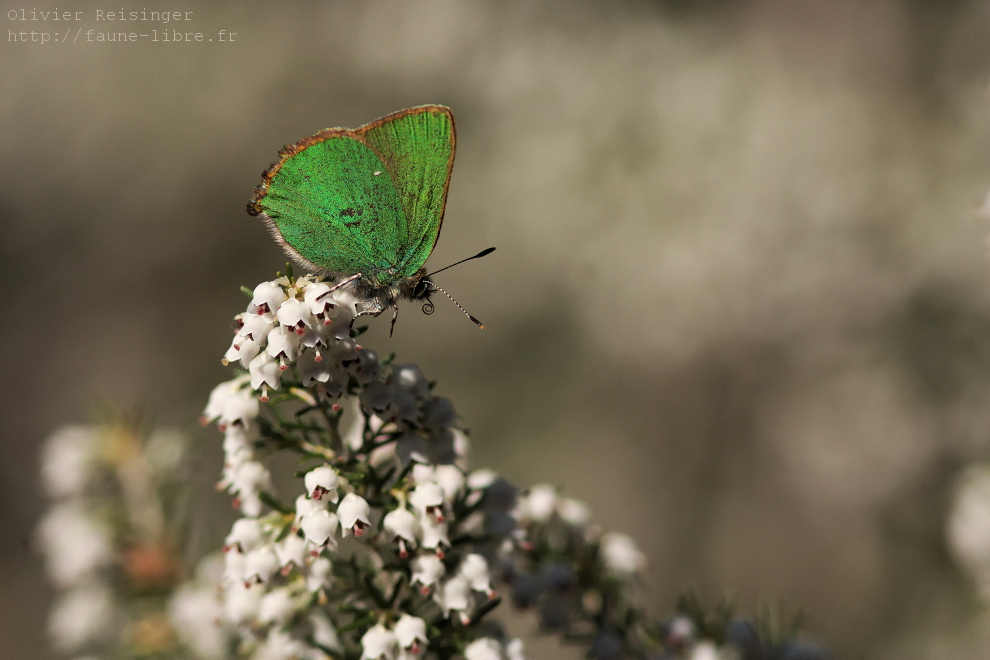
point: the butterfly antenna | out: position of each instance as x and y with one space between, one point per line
466 313
483 253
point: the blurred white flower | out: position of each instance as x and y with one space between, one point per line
67 460
378 642
80 616
354 512
620 554
484 648
969 525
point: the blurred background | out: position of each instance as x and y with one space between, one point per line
739 303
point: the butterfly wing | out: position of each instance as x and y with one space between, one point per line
417 147
330 202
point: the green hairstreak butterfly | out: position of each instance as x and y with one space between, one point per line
365 205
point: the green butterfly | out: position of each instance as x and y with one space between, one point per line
365 205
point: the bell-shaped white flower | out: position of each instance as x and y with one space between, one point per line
241 603
454 596
267 297
255 327
246 533
402 525
277 606
410 633
291 552
264 372
426 571
379 642
295 315
427 499
283 343
474 569
319 525
321 483
484 648
318 574
434 536
304 505
243 350
355 515
260 564
321 302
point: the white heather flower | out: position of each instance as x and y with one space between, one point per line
402 524
474 569
969 525
320 301
281 645
704 650
291 552
241 603
318 574
346 301
246 534
514 650
264 372
427 499
74 545
539 504
426 571
282 344
80 616
218 398
277 606
320 482
484 648
295 315
67 460
267 297
325 634
195 611
449 477
378 642
249 479
235 566
574 513
354 512
254 326
455 596
620 554
434 535
312 371
243 350
410 632
318 526
260 564
304 505
231 403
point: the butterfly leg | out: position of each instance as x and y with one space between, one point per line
366 312
346 280
395 315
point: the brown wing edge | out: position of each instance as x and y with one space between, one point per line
415 110
284 154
